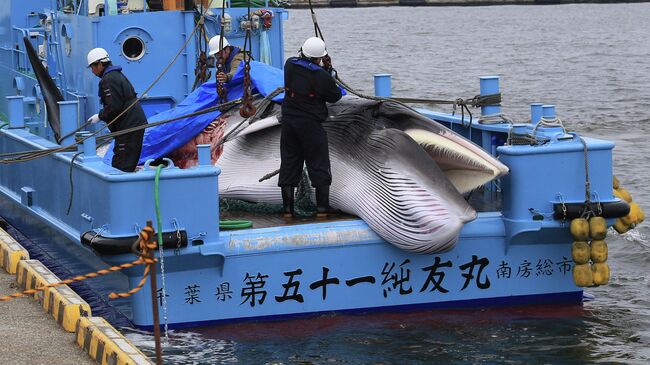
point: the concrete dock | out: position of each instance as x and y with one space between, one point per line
54 325
29 335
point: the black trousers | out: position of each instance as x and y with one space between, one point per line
304 141
126 152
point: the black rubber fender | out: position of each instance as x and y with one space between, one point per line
121 245
614 209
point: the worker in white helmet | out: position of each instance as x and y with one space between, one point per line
308 86
230 56
116 94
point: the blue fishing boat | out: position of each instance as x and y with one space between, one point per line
443 210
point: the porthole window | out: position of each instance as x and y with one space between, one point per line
133 48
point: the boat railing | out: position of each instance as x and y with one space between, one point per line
20 61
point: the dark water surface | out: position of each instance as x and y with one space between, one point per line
593 62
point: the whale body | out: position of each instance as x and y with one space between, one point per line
402 173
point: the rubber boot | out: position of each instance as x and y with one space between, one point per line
287 201
323 209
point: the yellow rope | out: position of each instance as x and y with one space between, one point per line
146 245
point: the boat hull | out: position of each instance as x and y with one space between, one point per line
303 274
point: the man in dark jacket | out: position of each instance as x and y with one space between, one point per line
117 94
303 140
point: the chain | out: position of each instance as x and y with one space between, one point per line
221 89
247 109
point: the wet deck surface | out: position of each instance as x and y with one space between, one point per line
482 201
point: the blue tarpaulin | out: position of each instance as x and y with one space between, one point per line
161 140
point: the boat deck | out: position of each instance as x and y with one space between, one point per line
481 200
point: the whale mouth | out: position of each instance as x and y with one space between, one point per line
466 165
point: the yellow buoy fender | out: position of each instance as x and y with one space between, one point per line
582 275
615 182
627 220
641 215
580 252
580 229
621 227
600 273
623 194
598 251
597 228
637 215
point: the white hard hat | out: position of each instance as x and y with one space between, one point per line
214 44
313 47
97 54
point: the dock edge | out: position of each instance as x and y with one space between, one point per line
101 341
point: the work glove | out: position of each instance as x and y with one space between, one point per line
94 119
327 63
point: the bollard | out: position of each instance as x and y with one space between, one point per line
68 116
535 112
548 112
205 154
78 137
489 85
520 128
382 85
89 146
16 111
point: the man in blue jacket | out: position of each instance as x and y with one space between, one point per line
117 94
308 87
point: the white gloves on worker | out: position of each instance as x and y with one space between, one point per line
94 119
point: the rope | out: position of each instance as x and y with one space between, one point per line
108 136
146 246
317 31
476 101
525 139
72 181
463 104
251 120
144 258
67 212
497 118
549 123
224 107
